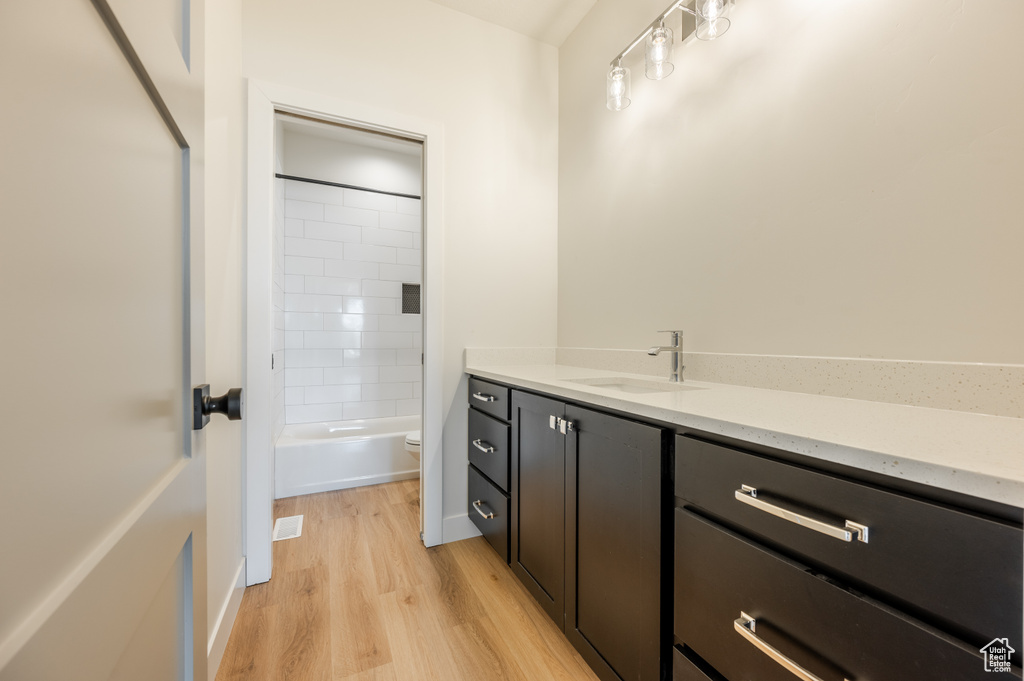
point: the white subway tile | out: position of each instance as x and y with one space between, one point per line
387 237
409 256
367 358
406 223
296 265
417 340
315 193
308 302
293 340
323 394
294 283
303 210
407 323
315 248
351 270
331 339
303 321
305 376
330 231
351 216
409 357
368 253
382 289
417 387
352 375
295 395
364 305
396 374
409 206
387 391
369 410
407 273
335 286
417 241
371 200
318 357
350 322
314 413
408 407
374 339
293 227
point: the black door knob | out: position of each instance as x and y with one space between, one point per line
229 404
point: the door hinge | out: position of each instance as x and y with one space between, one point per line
271 361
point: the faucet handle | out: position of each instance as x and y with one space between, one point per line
671 331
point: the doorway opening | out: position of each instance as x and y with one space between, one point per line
347 275
343 261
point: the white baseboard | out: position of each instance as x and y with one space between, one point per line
225 621
457 528
332 485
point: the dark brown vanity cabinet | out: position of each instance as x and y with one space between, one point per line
780 566
587 508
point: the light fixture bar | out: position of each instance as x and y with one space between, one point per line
679 4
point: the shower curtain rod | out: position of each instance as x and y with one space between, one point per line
344 186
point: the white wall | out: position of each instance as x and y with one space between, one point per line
225 134
499 113
320 158
840 178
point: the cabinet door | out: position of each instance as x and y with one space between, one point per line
615 506
538 501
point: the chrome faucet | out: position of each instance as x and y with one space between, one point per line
677 355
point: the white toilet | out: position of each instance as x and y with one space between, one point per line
412 444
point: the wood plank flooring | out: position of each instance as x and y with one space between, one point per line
358 597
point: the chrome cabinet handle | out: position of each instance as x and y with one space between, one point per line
484 397
748 495
483 447
486 516
746 625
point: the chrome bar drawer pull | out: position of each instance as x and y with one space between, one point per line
553 422
484 447
484 397
478 505
746 625
748 495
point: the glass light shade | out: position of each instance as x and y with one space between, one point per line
618 88
659 53
712 18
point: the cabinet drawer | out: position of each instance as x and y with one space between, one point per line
490 398
829 631
684 669
957 569
488 509
488 447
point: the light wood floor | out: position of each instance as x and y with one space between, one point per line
358 597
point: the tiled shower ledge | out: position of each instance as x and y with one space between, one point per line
981 455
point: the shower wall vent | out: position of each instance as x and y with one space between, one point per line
288 528
410 298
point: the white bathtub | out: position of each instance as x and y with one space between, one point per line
319 457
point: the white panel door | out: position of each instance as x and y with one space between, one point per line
102 480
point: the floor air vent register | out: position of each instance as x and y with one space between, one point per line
288 528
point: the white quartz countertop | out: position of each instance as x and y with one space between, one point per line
974 454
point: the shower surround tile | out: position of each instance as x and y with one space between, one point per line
349 351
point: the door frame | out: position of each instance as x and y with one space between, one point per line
258 453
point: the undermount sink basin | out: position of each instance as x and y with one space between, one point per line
633 385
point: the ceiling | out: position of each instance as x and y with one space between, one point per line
549 21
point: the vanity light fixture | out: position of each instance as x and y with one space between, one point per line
711 21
